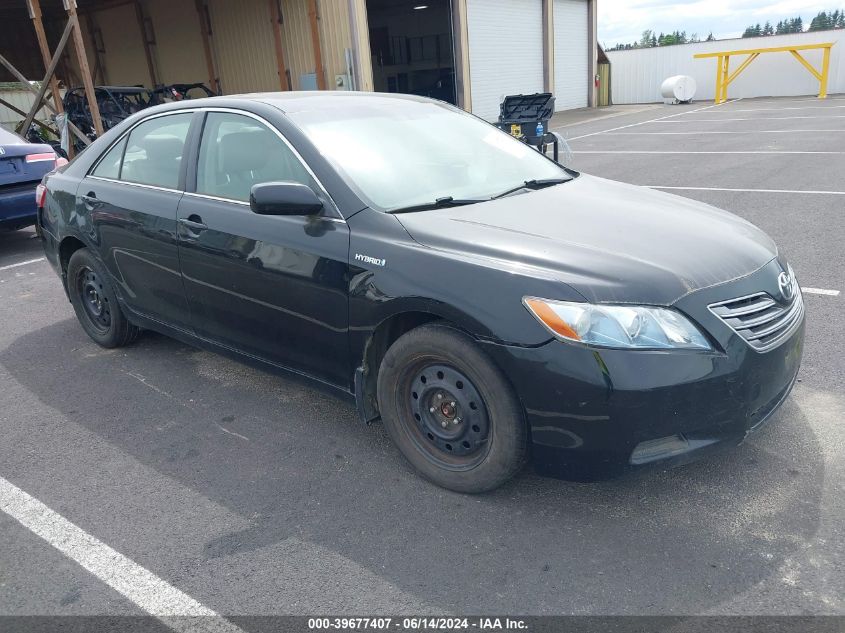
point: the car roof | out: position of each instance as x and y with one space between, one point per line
8 137
297 101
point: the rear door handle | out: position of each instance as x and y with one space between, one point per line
90 200
193 222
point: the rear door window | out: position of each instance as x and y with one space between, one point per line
109 165
154 151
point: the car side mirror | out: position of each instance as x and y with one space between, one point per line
284 198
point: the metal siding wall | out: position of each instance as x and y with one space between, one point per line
335 36
505 51
23 100
124 57
637 74
299 53
178 49
243 40
571 59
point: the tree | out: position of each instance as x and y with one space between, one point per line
768 30
645 40
710 37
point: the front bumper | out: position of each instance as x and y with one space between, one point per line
597 413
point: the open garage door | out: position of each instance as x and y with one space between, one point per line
505 51
571 55
412 47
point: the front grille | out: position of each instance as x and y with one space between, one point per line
761 320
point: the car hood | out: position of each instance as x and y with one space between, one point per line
610 241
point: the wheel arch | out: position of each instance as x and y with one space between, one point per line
383 335
67 247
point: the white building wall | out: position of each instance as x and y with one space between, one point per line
637 74
572 62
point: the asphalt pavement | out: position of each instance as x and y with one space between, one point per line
247 493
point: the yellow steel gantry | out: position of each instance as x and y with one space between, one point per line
724 77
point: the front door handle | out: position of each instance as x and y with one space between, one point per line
193 222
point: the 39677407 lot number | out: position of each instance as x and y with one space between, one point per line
404 624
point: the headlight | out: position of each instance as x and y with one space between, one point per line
623 326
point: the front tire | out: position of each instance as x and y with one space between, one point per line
450 410
95 302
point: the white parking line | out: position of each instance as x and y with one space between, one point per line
827 193
781 109
175 609
670 116
768 118
820 291
720 132
26 263
638 151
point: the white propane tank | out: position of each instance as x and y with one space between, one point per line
678 89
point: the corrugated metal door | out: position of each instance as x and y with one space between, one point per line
505 51
176 26
572 64
124 57
244 45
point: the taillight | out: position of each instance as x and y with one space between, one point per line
40 195
38 158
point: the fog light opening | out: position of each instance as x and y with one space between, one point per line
661 448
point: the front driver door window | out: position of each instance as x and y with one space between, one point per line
272 286
238 152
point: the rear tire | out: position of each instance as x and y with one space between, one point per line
451 411
95 302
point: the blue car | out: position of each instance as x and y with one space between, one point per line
22 165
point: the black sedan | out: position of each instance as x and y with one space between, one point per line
22 166
486 303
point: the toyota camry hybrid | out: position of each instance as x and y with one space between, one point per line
489 305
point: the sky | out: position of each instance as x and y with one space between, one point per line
623 21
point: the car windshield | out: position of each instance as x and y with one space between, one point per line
398 153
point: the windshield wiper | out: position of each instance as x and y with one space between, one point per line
440 203
533 185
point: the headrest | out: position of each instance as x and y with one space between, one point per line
162 148
244 151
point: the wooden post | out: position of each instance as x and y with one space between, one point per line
276 23
84 69
51 70
142 24
34 7
315 42
23 80
205 33
17 110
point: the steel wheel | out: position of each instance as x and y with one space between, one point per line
450 410
93 299
451 422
